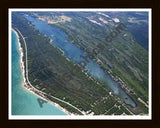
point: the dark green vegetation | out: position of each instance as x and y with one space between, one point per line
46 64
123 58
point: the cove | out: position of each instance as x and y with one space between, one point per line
75 54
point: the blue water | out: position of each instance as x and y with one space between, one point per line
24 102
75 54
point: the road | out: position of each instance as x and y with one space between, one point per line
37 89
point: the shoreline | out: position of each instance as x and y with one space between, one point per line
31 88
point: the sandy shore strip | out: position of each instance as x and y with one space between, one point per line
32 89
21 56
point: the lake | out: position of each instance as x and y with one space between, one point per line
59 39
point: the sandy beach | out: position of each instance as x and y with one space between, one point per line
31 88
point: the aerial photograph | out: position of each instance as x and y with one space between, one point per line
80 63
